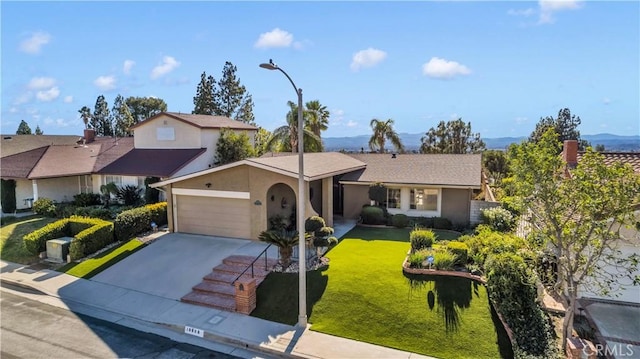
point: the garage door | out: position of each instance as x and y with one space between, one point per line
225 217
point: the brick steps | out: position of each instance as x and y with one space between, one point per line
216 291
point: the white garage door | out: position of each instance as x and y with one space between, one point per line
225 217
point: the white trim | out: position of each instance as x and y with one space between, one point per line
174 207
210 193
394 184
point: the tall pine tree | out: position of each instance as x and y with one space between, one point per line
141 108
122 118
100 119
39 131
23 128
204 101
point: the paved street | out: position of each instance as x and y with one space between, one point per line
31 329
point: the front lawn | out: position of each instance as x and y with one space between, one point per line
11 245
363 295
91 267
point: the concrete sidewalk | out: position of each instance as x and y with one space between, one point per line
227 332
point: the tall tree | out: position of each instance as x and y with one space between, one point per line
100 119
38 130
260 142
451 137
85 115
142 108
316 117
122 118
285 138
232 99
233 146
23 128
578 213
495 162
204 101
565 127
383 131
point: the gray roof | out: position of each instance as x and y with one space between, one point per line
13 144
316 165
203 121
420 169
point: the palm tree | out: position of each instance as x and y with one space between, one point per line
284 240
316 117
382 131
285 138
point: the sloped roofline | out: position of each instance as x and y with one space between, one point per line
177 117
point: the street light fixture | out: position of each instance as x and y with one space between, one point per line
302 266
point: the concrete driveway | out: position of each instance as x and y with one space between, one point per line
175 262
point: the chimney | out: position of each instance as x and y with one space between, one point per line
570 152
89 135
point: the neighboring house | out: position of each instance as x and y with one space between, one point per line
629 242
59 167
238 199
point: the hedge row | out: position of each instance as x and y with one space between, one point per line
138 220
90 235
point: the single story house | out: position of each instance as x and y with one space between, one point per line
59 167
238 199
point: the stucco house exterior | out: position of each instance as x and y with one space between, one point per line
59 167
238 199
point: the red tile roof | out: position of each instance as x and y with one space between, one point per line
632 158
151 162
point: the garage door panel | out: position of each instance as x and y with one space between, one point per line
227 217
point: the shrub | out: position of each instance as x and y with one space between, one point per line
130 195
86 199
400 220
314 223
378 192
441 223
372 215
36 241
486 242
65 210
102 213
325 241
417 258
512 288
96 236
499 219
8 195
135 221
444 260
277 223
459 250
424 222
44 206
324 232
421 239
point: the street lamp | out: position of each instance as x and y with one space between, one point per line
302 266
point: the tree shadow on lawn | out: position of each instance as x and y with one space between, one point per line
277 295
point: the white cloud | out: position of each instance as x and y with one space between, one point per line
41 83
367 58
59 122
550 7
274 38
105 83
34 43
352 123
606 100
168 64
48 95
127 66
68 99
438 68
13 110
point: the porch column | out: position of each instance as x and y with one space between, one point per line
327 200
34 184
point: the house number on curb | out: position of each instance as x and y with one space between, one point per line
194 331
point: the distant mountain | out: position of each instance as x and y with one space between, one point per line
412 142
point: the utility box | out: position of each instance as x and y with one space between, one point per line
58 249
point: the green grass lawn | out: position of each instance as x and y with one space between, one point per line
364 295
91 267
11 245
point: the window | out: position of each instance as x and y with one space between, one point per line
393 198
424 199
115 179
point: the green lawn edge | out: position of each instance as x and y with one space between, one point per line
92 266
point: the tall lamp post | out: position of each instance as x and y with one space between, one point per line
302 265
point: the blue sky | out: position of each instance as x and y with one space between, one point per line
500 65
